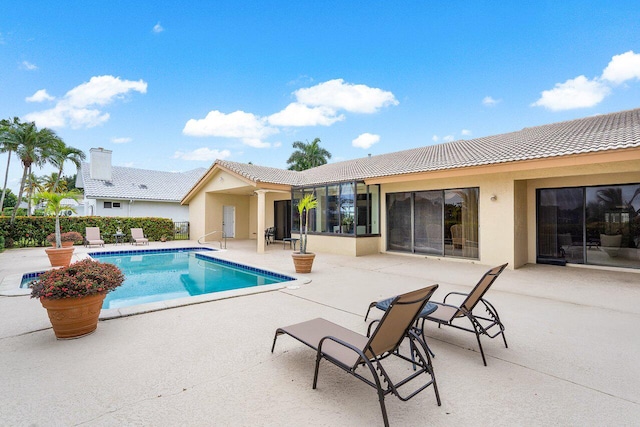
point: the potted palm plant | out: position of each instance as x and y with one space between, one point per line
303 260
73 295
59 256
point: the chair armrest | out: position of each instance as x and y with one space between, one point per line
454 293
343 343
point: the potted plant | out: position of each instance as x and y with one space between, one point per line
73 295
303 260
58 256
67 239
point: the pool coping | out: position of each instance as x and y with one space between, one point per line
10 286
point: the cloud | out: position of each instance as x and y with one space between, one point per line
490 101
465 132
582 92
435 138
365 140
40 96
448 138
121 140
158 28
29 66
296 114
202 154
623 67
574 93
338 95
250 129
78 107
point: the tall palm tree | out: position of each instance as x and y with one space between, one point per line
62 154
34 185
7 146
308 155
34 147
49 183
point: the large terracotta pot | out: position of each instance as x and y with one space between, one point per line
303 262
60 257
73 317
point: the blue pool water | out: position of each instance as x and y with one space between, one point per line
159 275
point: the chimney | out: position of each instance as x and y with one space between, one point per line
100 164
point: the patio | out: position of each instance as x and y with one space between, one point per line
572 356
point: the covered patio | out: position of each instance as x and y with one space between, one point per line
571 358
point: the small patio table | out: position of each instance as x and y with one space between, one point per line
291 240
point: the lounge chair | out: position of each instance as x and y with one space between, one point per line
349 350
137 236
451 315
92 237
269 235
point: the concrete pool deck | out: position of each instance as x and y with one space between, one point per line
573 356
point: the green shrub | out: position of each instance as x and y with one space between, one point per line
33 231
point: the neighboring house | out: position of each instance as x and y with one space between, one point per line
564 192
130 192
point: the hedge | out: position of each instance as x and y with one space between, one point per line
32 231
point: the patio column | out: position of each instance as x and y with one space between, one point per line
261 219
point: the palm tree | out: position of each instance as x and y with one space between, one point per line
305 204
33 185
62 154
33 147
7 146
54 207
308 155
49 183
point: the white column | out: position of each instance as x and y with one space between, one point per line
261 220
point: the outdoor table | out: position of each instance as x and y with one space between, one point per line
290 240
119 238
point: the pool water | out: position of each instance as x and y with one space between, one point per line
152 276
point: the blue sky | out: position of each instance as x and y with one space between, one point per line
168 86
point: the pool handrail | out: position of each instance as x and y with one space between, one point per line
223 236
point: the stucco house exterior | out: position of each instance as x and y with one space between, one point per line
129 192
566 192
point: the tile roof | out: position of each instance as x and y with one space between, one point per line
591 134
140 184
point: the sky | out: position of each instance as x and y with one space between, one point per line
173 86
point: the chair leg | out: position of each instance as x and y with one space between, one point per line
373 304
505 340
315 373
481 350
275 337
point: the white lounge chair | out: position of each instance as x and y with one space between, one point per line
137 236
92 237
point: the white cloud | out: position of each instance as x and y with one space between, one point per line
435 138
202 154
158 28
365 140
123 140
490 101
623 67
77 108
338 95
465 132
448 138
29 66
250 129
574 93
40 96
296 114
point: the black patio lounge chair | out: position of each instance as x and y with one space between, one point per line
451 315
349 350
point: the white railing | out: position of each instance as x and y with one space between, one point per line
222 237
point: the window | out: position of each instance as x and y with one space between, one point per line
597 225
110 205
437 222
347 208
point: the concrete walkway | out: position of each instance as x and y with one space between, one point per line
572 359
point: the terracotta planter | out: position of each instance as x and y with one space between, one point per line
303 262
73 317
60 257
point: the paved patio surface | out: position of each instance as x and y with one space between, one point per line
573 356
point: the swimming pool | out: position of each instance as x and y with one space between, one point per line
169 274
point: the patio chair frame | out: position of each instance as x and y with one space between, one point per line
367 356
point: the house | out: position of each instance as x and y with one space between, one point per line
557 193
130 192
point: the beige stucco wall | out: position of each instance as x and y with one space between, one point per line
270 198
